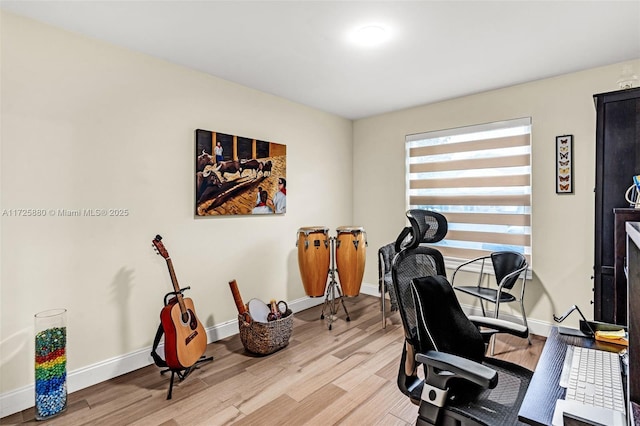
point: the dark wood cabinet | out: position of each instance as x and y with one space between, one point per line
617 161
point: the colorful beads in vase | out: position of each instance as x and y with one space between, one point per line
50 363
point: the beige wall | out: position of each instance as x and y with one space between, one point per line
90 125
562 225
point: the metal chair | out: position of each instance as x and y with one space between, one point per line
385 283
508 266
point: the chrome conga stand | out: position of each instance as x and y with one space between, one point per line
333 290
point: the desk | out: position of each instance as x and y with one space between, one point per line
540 399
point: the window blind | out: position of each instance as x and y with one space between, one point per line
479 178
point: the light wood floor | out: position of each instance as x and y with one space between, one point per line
344 376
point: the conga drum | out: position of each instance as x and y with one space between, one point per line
313 259
351 253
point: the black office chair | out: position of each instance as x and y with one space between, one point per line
461 385
413 261
386 253
508 266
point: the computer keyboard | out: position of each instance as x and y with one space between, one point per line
595 379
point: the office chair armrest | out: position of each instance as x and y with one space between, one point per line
442 366
501 326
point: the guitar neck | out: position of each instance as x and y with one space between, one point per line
176 286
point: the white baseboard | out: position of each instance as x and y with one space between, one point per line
370 289
20 399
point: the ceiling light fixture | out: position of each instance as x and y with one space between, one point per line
370 35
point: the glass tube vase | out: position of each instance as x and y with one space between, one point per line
50 363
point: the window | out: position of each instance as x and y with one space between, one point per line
479 177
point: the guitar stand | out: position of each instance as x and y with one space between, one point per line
183 373
175 294
332 289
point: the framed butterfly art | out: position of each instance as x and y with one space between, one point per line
564 164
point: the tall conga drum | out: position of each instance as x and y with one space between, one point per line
313 259
351 253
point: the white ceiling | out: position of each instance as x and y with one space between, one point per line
301 50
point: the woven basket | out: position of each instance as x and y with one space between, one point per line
265 338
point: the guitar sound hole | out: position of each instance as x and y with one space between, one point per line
193 322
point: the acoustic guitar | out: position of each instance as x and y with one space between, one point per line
185 338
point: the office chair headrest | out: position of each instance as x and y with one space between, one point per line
426 227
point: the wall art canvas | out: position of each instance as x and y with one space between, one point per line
236 175
564 164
